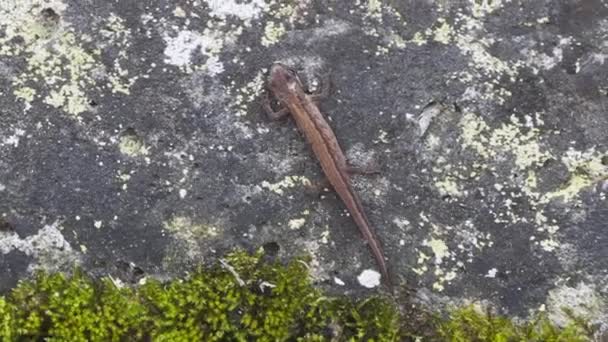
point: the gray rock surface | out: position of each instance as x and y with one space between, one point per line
132 142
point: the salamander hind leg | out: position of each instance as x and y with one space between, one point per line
324 89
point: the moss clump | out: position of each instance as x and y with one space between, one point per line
72 309
243 300
469 325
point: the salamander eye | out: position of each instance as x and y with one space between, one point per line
291 75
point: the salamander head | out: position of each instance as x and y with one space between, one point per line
282 80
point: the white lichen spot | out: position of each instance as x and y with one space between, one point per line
538 60
231 8
402 223
183 193
491 273
98 224
382 137
324 237
549 245
180 49
296 223
179 12
14 139
583 300
339 281
48 247
369 279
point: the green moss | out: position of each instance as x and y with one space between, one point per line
469 325
244 299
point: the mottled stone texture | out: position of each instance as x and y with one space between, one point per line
132 142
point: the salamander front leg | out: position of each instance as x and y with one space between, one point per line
324 89
271 113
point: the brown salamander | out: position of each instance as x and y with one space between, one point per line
285 85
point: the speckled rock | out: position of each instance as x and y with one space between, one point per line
132 142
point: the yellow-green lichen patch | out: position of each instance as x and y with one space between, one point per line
435 260
133 146
273 32
421 261
25 93
248 93
481 59
185 228
298 223
373 8
447 250
473 134
586 168
481 8
548 241
188 234
69 97
124 179
419 39
443 32
116 33
287 183
374 13
521 141
57 62
512 138
448 186
440 249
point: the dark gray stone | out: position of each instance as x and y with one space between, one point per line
132 142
